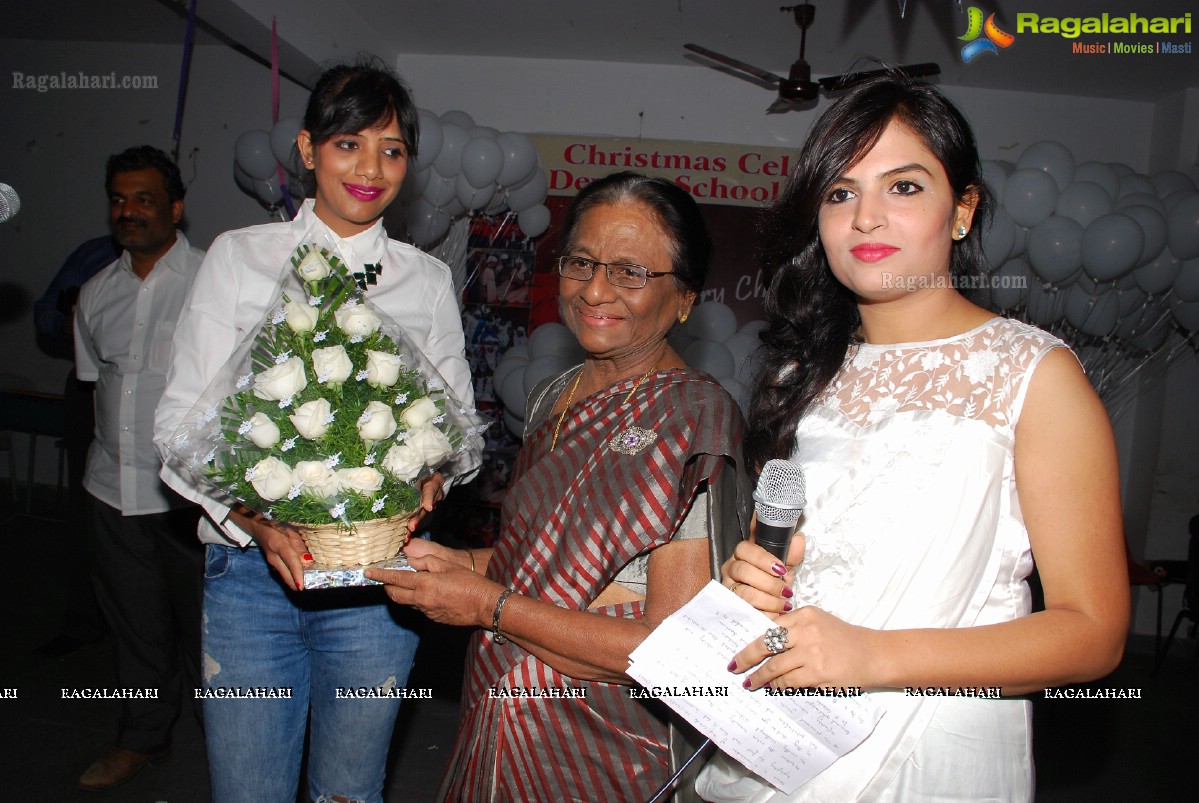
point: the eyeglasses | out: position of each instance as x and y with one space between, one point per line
620 274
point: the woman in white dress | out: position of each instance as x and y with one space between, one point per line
944 449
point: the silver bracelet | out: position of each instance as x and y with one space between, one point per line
495 616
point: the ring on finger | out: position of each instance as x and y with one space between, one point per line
775 639
735 586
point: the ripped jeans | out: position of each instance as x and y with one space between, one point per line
272 656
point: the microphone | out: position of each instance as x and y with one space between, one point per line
779 498
10 203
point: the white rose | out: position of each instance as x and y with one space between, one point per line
263 431
363 479
316 478
403 462
301 317
311 419
281 381
382 369
357 320
272 479
376 422
432 444
332 365
419 413
313 267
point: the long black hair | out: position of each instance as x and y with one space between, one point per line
812 318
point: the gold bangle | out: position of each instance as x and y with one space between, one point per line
471 555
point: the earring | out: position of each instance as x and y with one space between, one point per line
683 318
961 232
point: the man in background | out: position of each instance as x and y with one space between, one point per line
148 564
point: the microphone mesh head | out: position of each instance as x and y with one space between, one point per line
10 202
780 495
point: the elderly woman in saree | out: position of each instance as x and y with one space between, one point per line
628 477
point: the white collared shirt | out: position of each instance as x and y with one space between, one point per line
124 328
238 283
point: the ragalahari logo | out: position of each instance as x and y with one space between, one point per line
993 37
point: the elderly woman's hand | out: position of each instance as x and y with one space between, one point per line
441 589
757 577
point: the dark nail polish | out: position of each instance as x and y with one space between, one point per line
787 606
745 683
779 569
733 665
787 592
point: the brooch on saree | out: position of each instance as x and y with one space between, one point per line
632 440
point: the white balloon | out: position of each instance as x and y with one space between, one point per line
542 368
530 194
520 159
534 220
999 235
711 320
1030 196
439 189
1009 284
1169 181
1153 226
482 161
253 153
1184 227
459 118
243 180
1055 248
514 423
470 196
428 142
283 144
1092 314
1083 201
512 391
1101 174
1111 246
995 177
482 131
741 345
753 328
1186 286
454 207
1044 304
1175 198
426 224
710 356
551 338
414 183
499 202
1121 170
738 391
449 159
507 366
1158 276
1140 199
1052 157
1130 300
1186 313
1135 183
268 190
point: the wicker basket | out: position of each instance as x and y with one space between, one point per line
334 547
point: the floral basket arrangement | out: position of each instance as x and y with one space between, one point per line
326 418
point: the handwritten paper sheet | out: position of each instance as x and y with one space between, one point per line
785 740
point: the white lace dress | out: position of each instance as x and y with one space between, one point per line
913 522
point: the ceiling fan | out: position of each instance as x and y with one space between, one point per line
798 91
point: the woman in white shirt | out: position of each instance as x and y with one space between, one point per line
360 129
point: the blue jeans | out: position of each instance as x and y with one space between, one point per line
258 634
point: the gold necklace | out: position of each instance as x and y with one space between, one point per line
570 397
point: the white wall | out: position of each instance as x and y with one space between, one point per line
53 147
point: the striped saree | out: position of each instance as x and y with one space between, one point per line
619 484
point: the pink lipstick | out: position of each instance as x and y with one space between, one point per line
872 252
363 192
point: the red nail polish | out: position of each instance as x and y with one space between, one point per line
745 684
787 606
733 665
779 569
787 592
307 556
